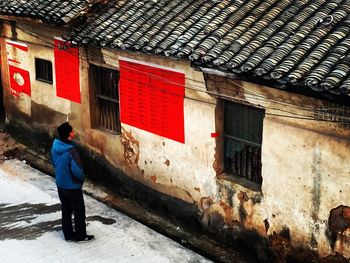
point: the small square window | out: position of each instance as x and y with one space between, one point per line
43 69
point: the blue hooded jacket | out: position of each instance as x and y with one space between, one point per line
65 159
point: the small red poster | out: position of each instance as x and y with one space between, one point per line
67 71
17 59
152 99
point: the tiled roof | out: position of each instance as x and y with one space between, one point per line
49 11
291 42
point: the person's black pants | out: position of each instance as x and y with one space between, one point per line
72 202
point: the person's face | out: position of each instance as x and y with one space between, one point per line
71 135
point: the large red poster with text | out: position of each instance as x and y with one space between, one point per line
67 71
152 99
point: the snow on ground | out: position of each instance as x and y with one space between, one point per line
30 227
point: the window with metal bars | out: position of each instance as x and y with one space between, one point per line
243 138
106 94
43 70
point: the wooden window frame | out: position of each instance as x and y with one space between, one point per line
242 154
105 113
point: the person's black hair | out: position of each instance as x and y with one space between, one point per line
64 130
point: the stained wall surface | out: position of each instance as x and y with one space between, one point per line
305 170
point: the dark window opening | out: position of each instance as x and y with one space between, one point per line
43 69
243 137
107 98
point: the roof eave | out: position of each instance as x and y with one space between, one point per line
21 19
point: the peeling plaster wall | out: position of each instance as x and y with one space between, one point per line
313 177
180 170
305 170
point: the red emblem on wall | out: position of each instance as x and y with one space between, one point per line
20 80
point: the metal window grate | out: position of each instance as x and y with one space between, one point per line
107 98
243 137
43 69
334 113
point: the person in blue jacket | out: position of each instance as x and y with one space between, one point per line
69 180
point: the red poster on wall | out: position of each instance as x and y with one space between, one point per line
20 80
152 99
67 71
18 62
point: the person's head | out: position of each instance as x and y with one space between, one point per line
65 131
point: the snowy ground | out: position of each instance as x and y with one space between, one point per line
30 227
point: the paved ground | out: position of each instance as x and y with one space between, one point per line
30 226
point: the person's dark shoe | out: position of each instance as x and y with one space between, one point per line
87 238
70 238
